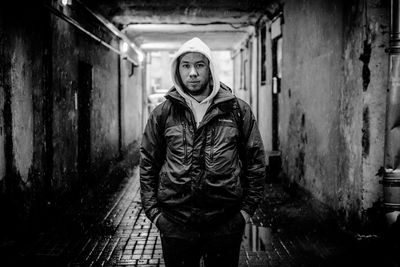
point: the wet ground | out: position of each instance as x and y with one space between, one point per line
109 228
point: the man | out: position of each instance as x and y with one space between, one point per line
202 164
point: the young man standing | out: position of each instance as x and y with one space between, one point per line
202 167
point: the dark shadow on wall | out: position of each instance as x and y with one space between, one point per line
108 181
68 215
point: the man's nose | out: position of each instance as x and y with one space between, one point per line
193 72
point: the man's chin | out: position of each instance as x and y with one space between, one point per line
195 90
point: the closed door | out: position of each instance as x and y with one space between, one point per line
84 108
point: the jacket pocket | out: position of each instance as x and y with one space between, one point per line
222 189
161 182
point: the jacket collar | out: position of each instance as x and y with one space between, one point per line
224 94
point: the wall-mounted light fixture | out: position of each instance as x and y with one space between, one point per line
66 2
124 47
140 55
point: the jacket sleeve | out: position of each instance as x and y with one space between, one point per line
152 154
254 172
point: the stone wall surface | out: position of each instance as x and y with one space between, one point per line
332 105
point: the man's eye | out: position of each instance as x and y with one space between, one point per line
200 65
185 66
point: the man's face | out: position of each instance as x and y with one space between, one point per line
194 72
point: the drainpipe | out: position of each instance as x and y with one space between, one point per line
391 178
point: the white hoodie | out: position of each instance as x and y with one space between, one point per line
198 108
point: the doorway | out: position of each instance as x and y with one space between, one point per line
84 108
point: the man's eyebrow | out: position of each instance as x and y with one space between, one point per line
185 61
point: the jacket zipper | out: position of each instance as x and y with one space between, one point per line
184 142
191 115
212 144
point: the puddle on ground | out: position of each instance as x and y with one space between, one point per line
257 238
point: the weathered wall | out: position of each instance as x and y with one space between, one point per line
64 77
332 125
23 84
21 105
375 40
110 74
2 133
69 47
104 122
310 95
39 82
131 103
264 93
363 107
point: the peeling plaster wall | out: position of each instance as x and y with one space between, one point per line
363 103
374 99
332 104
309 100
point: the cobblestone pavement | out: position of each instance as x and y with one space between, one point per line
113 231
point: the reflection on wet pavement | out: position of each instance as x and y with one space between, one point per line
117 233
256 238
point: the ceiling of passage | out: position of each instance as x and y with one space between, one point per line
165 25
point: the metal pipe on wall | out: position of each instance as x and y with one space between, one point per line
391 178
112 28
94 37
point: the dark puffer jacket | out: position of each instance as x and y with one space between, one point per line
196 175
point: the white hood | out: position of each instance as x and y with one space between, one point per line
195 45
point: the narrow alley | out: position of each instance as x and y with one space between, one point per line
110 229
79 80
